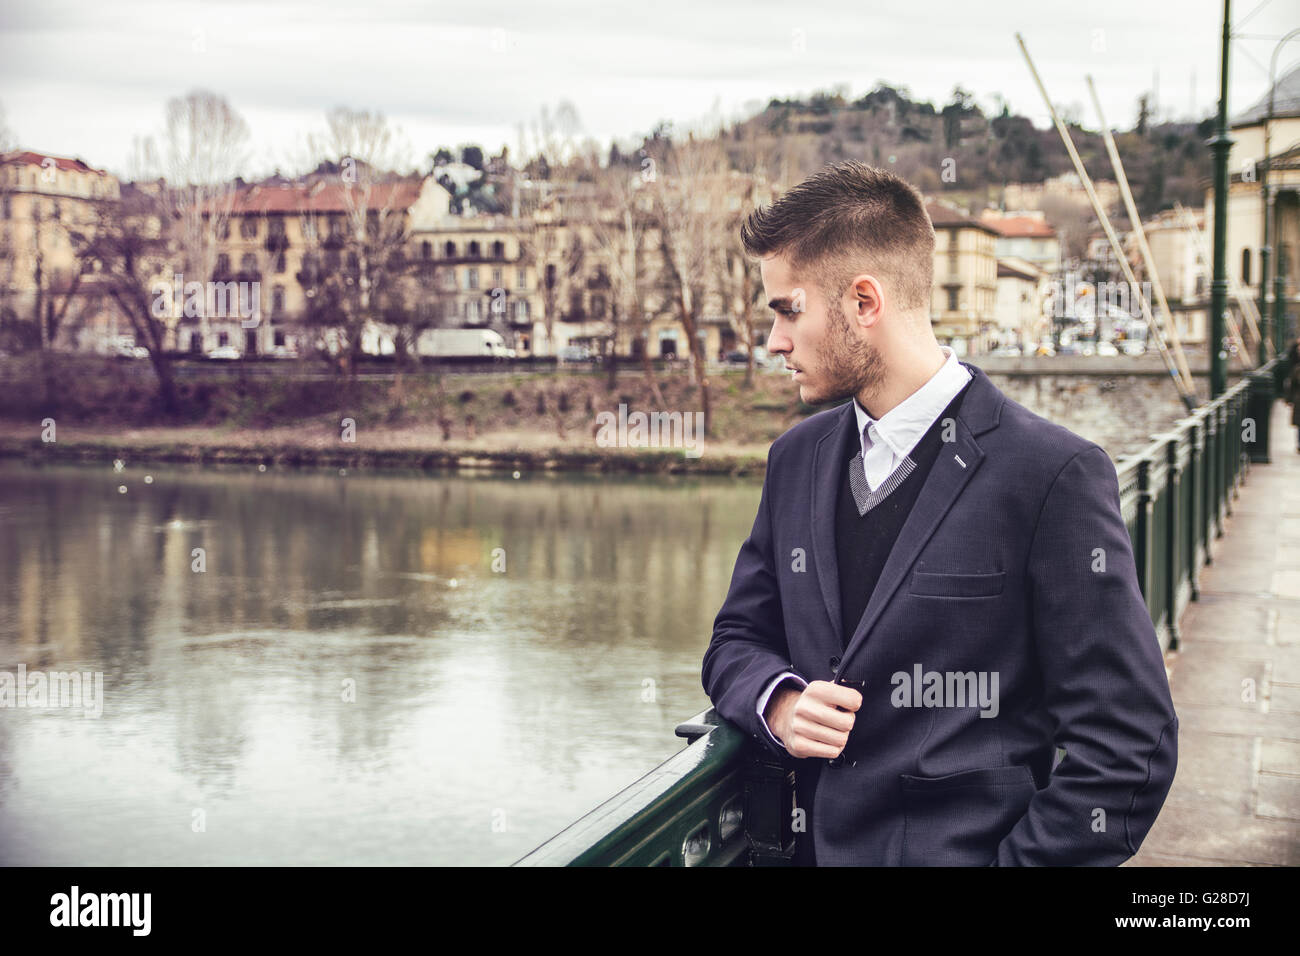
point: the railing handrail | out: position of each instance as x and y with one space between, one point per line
631 827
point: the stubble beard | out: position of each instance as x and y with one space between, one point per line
852 366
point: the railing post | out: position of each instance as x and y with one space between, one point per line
1195 534
769 809
1173 534
1144 556
1214 472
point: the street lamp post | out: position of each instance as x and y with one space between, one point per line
1220 144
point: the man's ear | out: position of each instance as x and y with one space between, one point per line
869 298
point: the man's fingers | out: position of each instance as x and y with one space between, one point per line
811 730
825 715
835 695
812 748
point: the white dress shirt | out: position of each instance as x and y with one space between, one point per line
886 441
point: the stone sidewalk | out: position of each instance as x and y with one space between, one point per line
1235 799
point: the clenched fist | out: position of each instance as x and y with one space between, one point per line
814 722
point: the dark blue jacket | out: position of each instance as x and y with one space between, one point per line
1014 565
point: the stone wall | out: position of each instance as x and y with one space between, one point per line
1117 402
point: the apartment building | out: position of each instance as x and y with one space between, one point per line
279 239
1246 199
964 293
47 205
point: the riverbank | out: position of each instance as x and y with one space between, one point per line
405 448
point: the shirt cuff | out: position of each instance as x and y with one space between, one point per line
762 701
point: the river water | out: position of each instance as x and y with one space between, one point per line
306 668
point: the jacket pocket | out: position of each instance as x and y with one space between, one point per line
938 584
959 819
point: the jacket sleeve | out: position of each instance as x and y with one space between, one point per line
748 649
1103 680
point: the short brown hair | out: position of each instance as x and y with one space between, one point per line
845 219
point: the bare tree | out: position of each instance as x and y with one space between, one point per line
621 230
204 149
690 193
129 246
553 136
357 257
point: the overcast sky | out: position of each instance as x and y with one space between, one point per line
82 77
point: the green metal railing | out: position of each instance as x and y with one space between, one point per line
1177 491
724 801
708 805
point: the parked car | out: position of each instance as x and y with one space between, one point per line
129 350
224 352
1134 347
283 352
1107 349
574 353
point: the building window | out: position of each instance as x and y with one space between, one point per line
426 250
521 310
223 264
521 277
472 312
1245 266
471 278
496 278
248 227
952 300
597 306
277 302
279 338
473 249
450 250
498 250
248 263
280 264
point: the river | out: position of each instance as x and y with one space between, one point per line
323 668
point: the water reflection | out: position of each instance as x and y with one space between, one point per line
347 679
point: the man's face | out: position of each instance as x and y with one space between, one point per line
833 357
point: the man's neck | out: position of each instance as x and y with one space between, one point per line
902 380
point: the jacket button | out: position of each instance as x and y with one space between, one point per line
835 665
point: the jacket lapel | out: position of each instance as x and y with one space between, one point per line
948 477
827 461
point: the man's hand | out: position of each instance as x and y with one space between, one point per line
814 722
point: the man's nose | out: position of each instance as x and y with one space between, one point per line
778 342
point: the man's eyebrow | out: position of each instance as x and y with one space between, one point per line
781 302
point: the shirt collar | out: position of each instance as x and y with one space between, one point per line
903 425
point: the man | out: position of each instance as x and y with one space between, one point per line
939 589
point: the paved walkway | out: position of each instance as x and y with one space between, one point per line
1235 799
